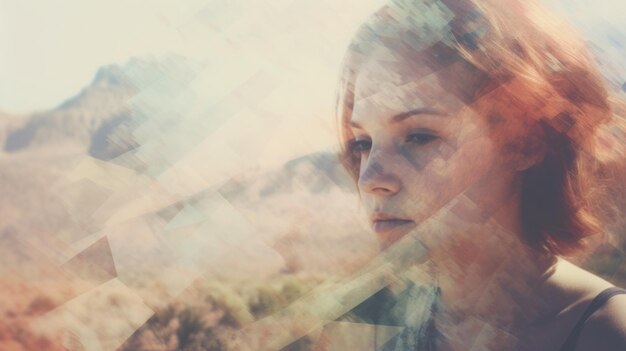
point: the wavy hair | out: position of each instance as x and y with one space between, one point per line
523 63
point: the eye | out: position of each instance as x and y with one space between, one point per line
359 146
421 138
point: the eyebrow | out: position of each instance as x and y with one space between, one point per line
408 114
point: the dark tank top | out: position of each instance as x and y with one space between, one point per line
597 303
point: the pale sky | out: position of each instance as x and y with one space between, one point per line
49 50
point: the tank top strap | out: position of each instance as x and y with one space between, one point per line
595 304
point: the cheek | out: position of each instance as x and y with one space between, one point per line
452 171
416 161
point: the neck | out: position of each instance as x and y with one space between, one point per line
490 278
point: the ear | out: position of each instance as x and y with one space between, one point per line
533 150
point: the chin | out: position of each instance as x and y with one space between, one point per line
387 239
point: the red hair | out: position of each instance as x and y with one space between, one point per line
525 65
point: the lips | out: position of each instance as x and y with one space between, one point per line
384 224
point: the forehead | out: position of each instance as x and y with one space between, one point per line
389 98
390 81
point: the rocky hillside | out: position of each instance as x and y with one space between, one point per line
77 120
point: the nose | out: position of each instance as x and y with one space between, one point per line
377 176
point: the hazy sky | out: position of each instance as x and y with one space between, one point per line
49 50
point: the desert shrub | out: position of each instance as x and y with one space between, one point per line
176 328
233 319
213 312
205 340
190 323
293 289
163 317
144 339
302 344
236 312
267 301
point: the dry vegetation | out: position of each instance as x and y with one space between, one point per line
206 316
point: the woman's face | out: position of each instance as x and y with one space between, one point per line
420 145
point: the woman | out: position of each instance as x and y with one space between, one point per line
469 126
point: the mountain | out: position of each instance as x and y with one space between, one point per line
9 123
77 120
41 204
316 173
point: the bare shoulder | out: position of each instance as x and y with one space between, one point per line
606 328
575 285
